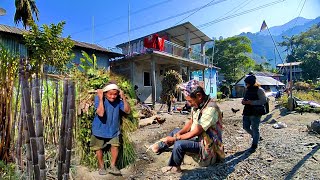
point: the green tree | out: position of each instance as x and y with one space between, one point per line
47 47
25 9
230 55
305 47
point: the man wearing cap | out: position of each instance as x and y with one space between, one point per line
201 135
109 103
254 96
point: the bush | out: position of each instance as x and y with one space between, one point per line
302 86
7 171
219 95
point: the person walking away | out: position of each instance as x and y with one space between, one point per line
109 102
253 101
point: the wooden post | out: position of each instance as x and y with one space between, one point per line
153 81
204 86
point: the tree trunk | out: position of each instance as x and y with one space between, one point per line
62 152
71 116
30 125
39 126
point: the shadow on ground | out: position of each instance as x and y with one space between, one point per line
217 171
301 162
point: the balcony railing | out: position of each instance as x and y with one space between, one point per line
169 48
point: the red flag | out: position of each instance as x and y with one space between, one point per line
263 26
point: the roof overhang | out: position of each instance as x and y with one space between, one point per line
177 33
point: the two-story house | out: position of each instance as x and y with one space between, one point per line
148 58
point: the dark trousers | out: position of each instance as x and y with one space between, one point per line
251 125
180 148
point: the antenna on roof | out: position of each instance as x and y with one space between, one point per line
129 46
92 36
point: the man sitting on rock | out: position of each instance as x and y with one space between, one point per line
201 135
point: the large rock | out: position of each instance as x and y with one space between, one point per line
315 126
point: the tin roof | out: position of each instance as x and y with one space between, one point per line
178 33
262 80
289 64
18 31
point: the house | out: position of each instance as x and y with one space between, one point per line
12 38
269 84
284 69
148 58
210 80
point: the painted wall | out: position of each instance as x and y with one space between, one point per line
13 44
210 81
138 79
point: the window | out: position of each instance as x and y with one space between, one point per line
146 79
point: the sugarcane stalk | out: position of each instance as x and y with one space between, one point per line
26 139
71 117
49 112
56 111
19 142
31 130
62 152
13 129
39 126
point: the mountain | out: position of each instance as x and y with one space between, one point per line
278 30
263 46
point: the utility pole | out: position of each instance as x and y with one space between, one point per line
290 99
129 45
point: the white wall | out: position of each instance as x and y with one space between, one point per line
146 91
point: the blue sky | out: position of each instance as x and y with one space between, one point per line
111 16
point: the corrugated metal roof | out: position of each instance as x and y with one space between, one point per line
262 80
266 74
18 31
177 33
289 64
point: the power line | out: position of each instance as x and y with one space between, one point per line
202 26
295 23
121 17
158 21
194 12
205 25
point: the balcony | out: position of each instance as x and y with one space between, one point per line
170 48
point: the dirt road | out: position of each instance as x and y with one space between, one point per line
286 153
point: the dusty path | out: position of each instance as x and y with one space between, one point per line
286 153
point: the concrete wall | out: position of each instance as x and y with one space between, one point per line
146 91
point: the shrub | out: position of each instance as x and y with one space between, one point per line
302 86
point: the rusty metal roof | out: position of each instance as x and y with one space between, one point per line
18 31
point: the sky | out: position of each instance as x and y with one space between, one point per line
105 22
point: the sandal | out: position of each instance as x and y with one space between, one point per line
102 172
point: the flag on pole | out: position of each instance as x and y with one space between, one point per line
263 26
